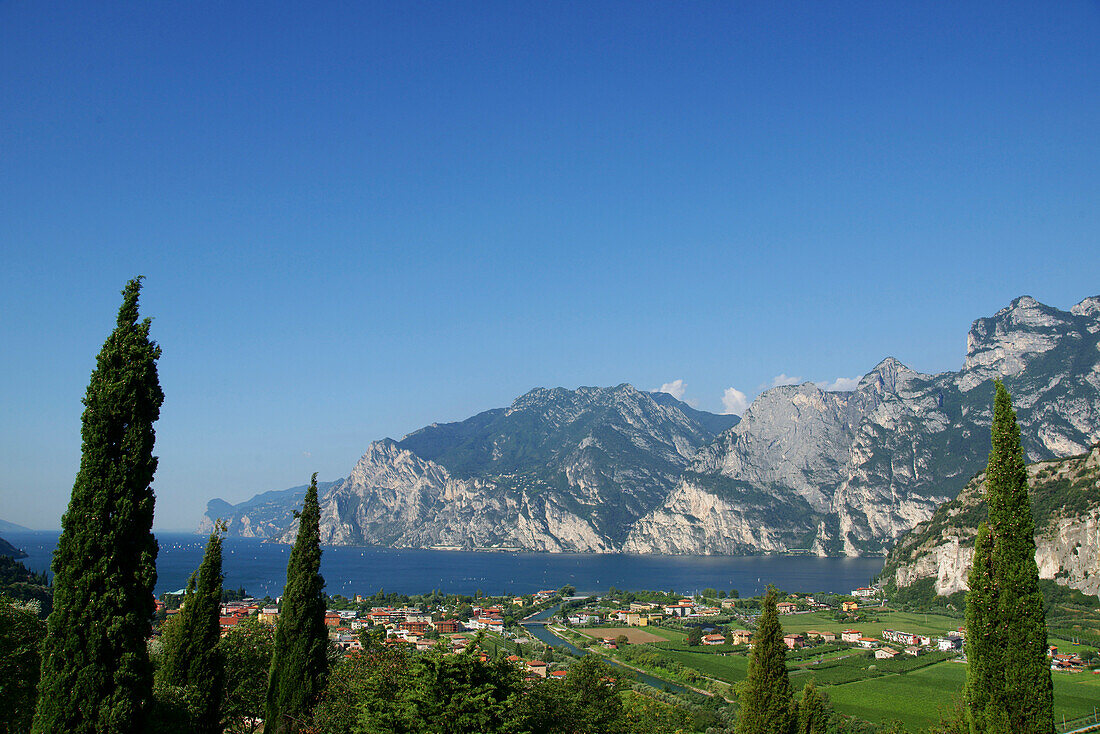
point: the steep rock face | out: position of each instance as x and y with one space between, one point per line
1065 497
860 468
558 470
263 516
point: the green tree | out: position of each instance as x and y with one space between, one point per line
589 700
300 661
96 674
191 657
21 635
1009 688
813 711
246 651
766 695
695 636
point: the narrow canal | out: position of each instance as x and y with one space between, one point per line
536 625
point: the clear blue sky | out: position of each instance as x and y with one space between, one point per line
358 219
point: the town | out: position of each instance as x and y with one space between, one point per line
694 645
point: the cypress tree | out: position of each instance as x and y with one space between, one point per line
96 674
192 657
300 663
983 642
813 711
766 695
1009 687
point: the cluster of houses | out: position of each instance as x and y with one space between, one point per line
914 644
811 605
643 614
405 623
233 612
1071 663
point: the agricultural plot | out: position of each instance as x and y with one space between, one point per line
668 634
918 699
917 623
728 668
634 635
682 646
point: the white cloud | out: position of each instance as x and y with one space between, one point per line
784 379
307 454
840 384
675 388
734 402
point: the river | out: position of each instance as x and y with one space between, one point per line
536 625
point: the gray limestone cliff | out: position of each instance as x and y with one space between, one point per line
1065 496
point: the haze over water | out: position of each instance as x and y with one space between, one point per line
261 569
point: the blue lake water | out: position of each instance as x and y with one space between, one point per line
261 569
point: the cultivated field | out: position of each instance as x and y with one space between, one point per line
921 624
917 699
633 634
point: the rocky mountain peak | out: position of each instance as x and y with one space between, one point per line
541 398
886 376
1090 309
1002 345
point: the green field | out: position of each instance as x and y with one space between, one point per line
918 699
915 622
873 691
730 669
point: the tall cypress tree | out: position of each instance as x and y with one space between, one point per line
1009 688
300 663
96 674
813 711
192 657
766 695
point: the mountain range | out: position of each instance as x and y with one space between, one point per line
619 469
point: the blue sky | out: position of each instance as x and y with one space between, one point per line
358 219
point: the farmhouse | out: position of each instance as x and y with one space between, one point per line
949 642
740 637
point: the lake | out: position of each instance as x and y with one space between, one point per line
261 569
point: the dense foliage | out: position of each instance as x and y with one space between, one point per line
21 584
96 674
300 661
1008 688
21 634
246 652
389 689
